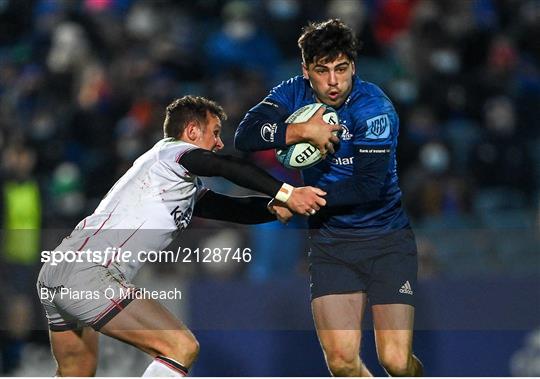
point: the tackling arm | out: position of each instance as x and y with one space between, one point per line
301 200
242 210
202 162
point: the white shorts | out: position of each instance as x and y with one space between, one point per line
82 294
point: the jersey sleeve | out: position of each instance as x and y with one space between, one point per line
264 127
283 95
201 189
202 162
242 210
171 153
376 122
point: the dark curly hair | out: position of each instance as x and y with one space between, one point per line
327 39
189 108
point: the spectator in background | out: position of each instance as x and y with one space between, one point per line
235 89
500 159
431 189
66 194
391 19
284 16
241 44
356 15
423 127
21 224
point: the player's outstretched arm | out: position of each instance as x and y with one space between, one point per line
302 200
264 128
241 210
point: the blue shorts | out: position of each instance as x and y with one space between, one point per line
385 268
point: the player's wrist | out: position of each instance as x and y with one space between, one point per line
295 133
284 193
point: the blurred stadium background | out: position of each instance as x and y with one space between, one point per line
83 86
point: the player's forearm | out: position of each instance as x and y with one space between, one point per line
252 210
255 134
247 175
239 171
258 133
295 133
262 128
240 210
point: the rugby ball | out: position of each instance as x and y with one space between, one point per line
303 155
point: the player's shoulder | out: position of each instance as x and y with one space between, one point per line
372 112
172 149
290 93
172 143
295 84
363 89
295 81
369 97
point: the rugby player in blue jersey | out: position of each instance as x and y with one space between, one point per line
362 249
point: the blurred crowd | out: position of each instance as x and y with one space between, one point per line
84 84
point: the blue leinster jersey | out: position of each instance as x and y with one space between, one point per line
361 179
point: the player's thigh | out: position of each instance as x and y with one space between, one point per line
148 325
338 320
334 269
393 324
393 273
75 351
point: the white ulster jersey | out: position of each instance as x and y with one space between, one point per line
143 210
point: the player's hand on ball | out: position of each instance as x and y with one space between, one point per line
306 200
281 211
311 133
321 134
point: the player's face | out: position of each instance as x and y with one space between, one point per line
331 81
210 137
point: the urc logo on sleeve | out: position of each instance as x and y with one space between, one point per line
378 127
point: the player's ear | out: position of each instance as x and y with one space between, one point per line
353 67
304 71
193 130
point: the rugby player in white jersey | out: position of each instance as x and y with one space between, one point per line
154 199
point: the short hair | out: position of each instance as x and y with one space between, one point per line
186 109
327 39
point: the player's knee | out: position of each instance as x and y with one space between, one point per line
396 361
192 349
76 371
180 346
77 366
343 362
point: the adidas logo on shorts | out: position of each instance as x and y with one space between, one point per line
406 288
